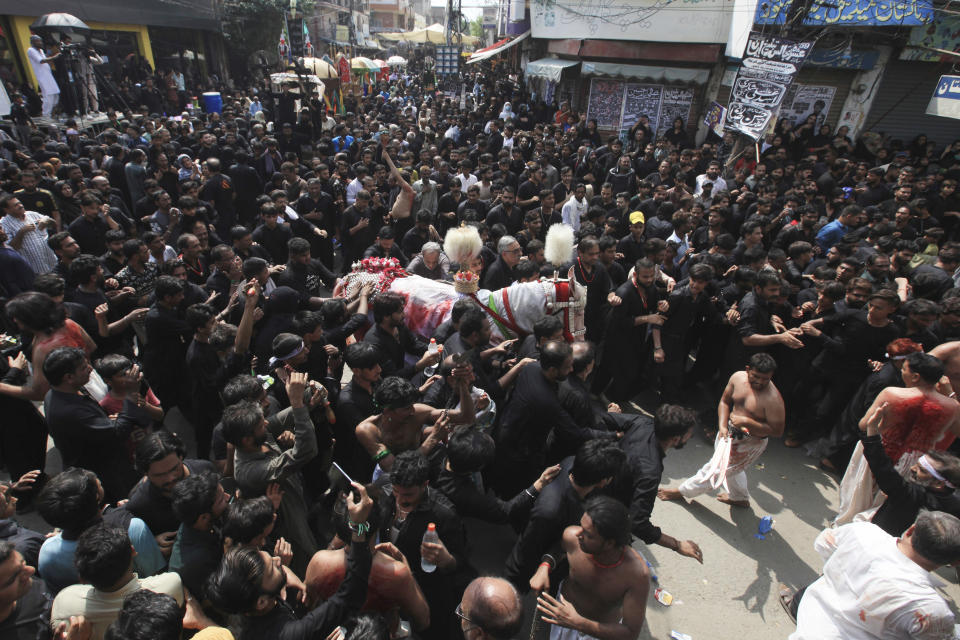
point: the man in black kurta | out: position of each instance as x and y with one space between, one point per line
631 326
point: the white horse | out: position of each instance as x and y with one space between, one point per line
512 311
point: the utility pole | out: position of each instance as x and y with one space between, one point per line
449 22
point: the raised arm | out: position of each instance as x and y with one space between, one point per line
403 205
245 328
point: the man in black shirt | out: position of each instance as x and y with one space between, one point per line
560 504
385 246
317 206
165 352
754 330
113 259
355 405
527 418
473 208
645 444
931 281
25 603
467 453
415 505
227 270
394 341
36 199
160 457
874 192
304 274
500 274
250 582
271 235
84 434
360 225
600 294
851 339
528 195
506 212
89 230
218 190
631 245
198 502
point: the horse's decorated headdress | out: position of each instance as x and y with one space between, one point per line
462 245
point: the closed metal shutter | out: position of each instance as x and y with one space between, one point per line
822 77
899 110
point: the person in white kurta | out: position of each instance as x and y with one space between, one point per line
575 208
49 89
875 586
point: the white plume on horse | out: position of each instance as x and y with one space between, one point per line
462 244
558 249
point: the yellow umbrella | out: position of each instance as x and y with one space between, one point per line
320 68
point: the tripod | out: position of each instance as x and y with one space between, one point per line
112 89
74 70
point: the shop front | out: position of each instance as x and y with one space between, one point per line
618 95
668 82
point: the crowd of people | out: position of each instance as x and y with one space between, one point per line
178 269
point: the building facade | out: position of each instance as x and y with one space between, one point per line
873 68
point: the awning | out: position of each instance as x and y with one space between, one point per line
497 47
333 41
642 72
549 68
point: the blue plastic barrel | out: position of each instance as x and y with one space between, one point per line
212 102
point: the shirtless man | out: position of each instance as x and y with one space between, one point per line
605 594
949 354
403 205
915 419
392 590
750 411
400 425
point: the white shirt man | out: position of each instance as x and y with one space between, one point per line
427 198
467 180
353 188
712 176
100 608
574 210
49 89
30 243
871 589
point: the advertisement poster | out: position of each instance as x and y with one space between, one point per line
606 103
676 104
803 100
714 118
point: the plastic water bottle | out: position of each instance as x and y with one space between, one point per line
764 527
429 536
432 348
